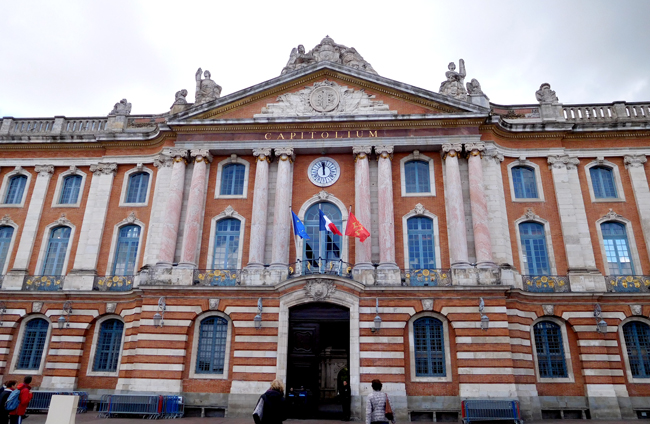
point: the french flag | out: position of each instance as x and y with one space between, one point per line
326 224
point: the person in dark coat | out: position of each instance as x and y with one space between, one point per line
9 387
345 396
16 416
275 410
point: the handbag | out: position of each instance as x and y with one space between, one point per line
388 411
259 411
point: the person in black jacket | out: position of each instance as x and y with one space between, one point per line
275 410
9 386
346 397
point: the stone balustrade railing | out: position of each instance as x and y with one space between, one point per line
611 112
52 126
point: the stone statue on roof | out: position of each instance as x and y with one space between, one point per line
328 51
122 108
454 86
206 89
545 94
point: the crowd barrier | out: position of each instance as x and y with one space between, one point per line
147 406
490 410
41 401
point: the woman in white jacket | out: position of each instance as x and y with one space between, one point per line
377 411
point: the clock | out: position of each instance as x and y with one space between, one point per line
323 172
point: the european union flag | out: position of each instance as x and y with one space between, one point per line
299 227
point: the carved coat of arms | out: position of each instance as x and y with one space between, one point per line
320 289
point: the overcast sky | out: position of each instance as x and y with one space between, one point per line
78 58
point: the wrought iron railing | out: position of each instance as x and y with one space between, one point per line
217 277
113 283
43 282
321 266
628 283
426 277
546 283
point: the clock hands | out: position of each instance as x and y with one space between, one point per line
323 163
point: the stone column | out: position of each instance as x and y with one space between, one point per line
14 278
583 274
363 251
388 271
157 217
173 205
455 206
639 179
195 204
281 211
482 238
260 208
84 269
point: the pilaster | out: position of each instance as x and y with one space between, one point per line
387 272
363 270
282 211
157 217
455 206
482 236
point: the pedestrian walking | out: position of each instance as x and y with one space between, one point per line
378 409
271 407
9 387
16 416
345 396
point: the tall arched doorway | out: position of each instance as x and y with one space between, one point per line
319 348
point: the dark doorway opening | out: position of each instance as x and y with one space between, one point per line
319 357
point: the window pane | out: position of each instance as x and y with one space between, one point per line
550 350
429 347
637 343
211 354
109 344
421 243
416 175
34 339
524 182
322 244
137 191
15 191
617 249
232 179
602 180
57 248
533 242
127 250
70 191
226 244
6 233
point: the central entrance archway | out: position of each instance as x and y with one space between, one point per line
318 358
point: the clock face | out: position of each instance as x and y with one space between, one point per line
324 172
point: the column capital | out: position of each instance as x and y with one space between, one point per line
635 161
162 161
451 149
200 154
475 148
44 170
103 168
361 152
384 151
176 152
494 154
284 153
262 153
563 161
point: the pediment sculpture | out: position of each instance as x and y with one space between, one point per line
206 89
329 51
325 98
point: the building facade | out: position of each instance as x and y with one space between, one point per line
508 255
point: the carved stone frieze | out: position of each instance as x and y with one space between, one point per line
612 215
37 307
419 209
229 211
111 307
214 304
63 220
320 289
6 220
322 195
131 218
427 304
549 309
637 310
530 214
103 168
329 51
44 170
563 161
635 161
325 98
162 161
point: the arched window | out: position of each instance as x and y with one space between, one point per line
416 174
137 190
429 348
16 189
422 254
550 350
109 344
637 343
617 248
226 244
127 250
70 191
6 233
31 350
533 243
57 248
323 244
232 179
525 183
602 180
211 354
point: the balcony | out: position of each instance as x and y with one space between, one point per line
320 266
546 283
43 282
217 277
114 283
628 283
426 277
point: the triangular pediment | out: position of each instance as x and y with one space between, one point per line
327 89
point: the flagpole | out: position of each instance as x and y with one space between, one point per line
295 244
320 241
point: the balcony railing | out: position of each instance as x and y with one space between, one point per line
217 277
43 282
321 266
628 283
546 283
426 277
113 283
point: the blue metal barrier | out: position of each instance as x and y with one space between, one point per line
488 410
147 406
41 401
173 407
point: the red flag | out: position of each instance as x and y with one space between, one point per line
355 229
